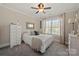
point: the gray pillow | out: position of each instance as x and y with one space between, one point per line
36 32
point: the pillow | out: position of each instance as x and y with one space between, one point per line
36 32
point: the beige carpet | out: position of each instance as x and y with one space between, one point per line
55 49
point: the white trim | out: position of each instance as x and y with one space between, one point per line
4 45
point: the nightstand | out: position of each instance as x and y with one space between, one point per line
73 44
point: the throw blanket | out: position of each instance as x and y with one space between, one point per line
36 44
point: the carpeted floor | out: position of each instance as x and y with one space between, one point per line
56 49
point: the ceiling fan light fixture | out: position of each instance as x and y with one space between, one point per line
41 5
40 10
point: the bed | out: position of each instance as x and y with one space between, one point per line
38 42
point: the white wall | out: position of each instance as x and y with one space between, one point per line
68 27
8 16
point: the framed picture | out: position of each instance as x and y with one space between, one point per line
29 25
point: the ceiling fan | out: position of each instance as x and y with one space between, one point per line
40 8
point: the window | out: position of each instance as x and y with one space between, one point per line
48 27
56 26
51 26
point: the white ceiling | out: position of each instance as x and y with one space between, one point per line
57 8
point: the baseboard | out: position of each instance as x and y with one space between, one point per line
4 45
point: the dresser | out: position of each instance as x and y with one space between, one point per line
73 44
15 35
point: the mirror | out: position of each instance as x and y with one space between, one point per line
29 25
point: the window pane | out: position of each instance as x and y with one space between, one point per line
52 26
56 26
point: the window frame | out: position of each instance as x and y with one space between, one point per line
50 27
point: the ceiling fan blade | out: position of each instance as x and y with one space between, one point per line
33 7
36 12
47 8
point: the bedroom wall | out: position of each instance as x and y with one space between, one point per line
8 16
68 27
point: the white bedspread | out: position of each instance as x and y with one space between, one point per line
46 40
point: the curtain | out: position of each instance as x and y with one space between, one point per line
54 25
51 26
62 29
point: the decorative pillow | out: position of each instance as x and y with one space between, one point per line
36 32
